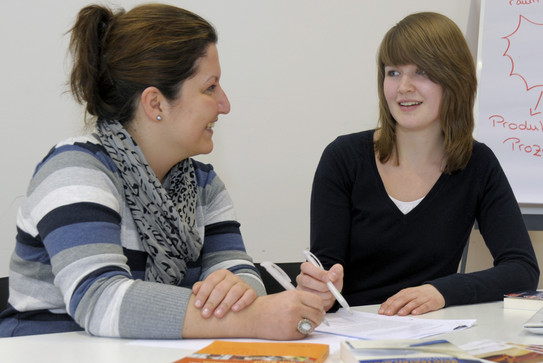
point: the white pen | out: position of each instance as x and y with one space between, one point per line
281 277
310 257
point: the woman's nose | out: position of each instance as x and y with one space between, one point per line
224 104
406 85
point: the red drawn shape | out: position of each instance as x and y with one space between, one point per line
523 46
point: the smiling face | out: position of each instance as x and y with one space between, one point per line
191 117
413 99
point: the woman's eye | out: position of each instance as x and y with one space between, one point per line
211 88
422 72
392 73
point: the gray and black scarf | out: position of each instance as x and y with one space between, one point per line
165 218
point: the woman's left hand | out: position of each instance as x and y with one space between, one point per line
413 300
220 292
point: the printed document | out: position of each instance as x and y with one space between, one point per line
361 325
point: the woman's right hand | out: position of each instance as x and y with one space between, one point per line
314 279
277 315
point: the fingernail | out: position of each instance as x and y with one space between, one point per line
198 303
219 312
206 312
235 307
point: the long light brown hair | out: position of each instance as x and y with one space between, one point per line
435 44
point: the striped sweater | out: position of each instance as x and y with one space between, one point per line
78 251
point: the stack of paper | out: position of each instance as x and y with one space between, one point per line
362 325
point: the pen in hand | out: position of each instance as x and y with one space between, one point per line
281 277
310 257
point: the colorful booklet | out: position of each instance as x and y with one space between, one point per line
403 351
526 300
496 351
227 351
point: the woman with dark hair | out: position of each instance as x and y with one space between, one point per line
393 208
122 233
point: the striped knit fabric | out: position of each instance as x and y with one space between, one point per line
78 251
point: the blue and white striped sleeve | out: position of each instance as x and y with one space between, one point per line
74 207
223 244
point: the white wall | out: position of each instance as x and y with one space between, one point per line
298 73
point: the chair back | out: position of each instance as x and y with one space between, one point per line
4 292
291 268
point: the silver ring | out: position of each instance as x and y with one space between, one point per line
305 326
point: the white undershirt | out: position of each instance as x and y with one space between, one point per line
406 207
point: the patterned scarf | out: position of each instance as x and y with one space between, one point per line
165 219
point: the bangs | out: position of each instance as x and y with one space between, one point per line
400 48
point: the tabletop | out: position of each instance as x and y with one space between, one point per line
493 322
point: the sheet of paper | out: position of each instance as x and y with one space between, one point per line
361 325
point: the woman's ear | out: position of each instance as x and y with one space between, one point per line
152 103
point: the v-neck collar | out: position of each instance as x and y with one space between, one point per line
384 195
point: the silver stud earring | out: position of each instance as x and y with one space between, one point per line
159 118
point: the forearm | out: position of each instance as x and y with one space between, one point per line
487 285
154 311
120 307
269 317
134 309
232 325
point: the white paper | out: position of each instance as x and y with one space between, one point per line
361 325
484 346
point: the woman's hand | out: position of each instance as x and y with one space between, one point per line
220 292
413 300
277 315
314 280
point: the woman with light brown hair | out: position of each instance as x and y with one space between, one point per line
393 208
122 233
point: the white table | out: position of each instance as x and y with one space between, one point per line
493 322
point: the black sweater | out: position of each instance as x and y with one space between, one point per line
356 224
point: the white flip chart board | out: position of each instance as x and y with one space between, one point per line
510 117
